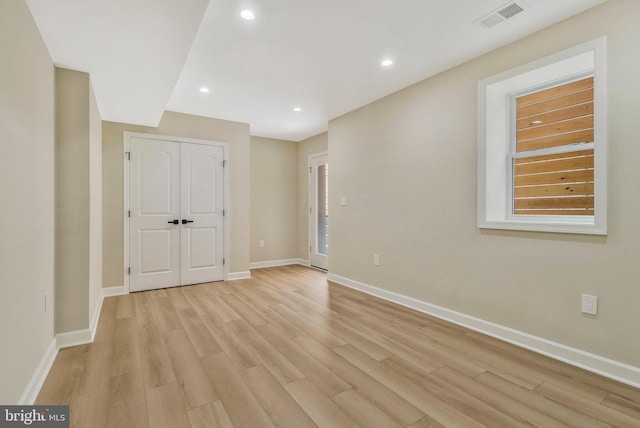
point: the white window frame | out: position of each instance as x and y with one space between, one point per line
496 115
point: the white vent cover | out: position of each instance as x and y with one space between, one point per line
501 14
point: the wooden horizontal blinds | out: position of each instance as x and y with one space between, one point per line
559 183
555 117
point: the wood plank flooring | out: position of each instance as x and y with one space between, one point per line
288 349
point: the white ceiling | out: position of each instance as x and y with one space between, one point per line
147 56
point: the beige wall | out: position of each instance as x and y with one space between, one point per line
78 201
306 148
236 134
407 163
26 198
273 199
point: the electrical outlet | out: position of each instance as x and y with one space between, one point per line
261 243
343 201
590 304
376 260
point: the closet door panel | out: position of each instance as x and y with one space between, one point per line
154 237
202 214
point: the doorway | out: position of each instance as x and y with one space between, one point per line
319 211
176 212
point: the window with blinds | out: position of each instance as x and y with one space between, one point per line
553 155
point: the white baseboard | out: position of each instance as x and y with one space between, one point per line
232 276
65 340
274 263
85 336
113 291
612 369
37 380
96 315
74 338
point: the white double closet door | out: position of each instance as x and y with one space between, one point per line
176 201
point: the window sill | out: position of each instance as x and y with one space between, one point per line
585 228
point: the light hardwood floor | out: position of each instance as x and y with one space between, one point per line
287 349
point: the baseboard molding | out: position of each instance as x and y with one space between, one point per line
274 263
96 315
37 380
113 291
65 340
612 369
232 276
85 336
74 338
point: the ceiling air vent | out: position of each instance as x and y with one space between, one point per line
501 14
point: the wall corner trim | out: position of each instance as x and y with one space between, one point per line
609 368
113 291
74 338
274 263
32 390
232 276
85 336
65 340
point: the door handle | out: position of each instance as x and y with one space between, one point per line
187 221
174 221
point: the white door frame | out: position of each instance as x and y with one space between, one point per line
125 213
310 237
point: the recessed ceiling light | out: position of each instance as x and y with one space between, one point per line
247 14
386 63
204 90
297 109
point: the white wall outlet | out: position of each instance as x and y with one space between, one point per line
590 304
343 201
262 243
376 260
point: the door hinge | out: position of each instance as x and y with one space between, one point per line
224 163
128 155
309 210
129 271
309 248
224 261
309 170
129 212
224 213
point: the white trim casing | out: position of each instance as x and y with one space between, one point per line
606 367
232 276
74 338
83 337
274 263
311 217
65 340
494 138
126 148
39 376
113 291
